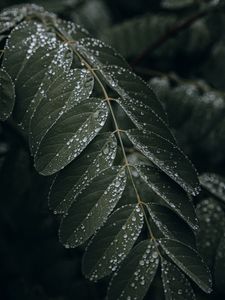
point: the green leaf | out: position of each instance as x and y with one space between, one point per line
98 156
170 192
137 272
43 67
70 135
175 284
113 242
189 261
68 89
9 17
133 89
170 224
22 42
70 30
143 117
128 85
99 54
92 207
214 183
43 59
129 37
167 157
195 112
7 95
212 222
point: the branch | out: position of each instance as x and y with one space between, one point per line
179 26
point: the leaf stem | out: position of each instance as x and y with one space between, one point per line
108 99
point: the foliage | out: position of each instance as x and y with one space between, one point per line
196 113
212 219
96 137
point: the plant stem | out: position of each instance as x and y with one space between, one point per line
178 26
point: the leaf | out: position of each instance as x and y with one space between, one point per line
100 54
113 242
47 63
94 15
133 89
137 272
214 183
212 221
62 94
167 157
43 59
70 30
7 95
9 17
76 176
22 42
170 192
129 37
196 115
171 225
143 117
92 207
128 85
176 286
70 135
189 261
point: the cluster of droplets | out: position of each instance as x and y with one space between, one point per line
139 113
11 16
70 29
103 160
87 131
170 160
98 53
77 86
100 211
120 79
120 243
37 36
73 143
62 58
175 283
168 191
91 165
58 60
180 258
144 272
